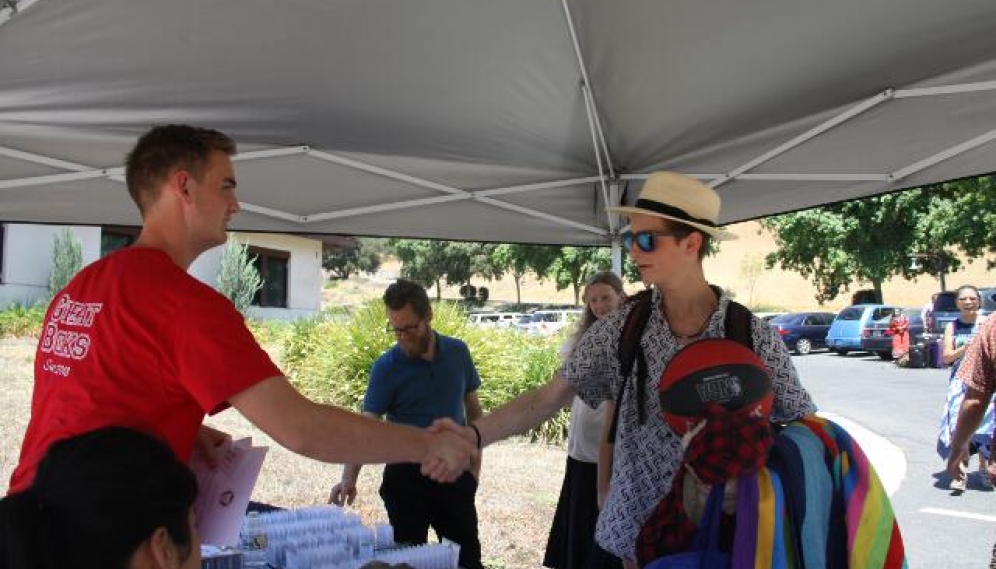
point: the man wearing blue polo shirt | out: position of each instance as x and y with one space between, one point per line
424 377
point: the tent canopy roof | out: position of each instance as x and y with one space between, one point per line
507 121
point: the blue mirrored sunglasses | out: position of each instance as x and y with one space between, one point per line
645 240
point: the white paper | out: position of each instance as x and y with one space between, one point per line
224 491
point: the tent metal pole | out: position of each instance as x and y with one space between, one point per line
945 89
816 177
598 155
586 87
458 193
783 177
43 160
536 186
355 211
616 254
615 251
268 212
943 155
394 175
808 135
52 179
546 216
270 153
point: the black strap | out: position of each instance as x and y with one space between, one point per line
630 352
737 324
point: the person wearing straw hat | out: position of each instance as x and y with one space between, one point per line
672 225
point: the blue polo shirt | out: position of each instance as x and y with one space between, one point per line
416 392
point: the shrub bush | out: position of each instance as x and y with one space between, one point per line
330 361
17 321
238 278
67 260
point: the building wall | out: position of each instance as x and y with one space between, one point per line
27 259
304 272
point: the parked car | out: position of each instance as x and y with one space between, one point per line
494 319
945 307
847 329
545 322
877 336
767 316
803 332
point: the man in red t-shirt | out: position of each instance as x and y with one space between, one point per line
134 340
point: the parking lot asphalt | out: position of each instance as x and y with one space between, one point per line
896 413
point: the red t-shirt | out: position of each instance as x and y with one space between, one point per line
135 341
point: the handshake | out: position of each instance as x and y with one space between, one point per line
451 450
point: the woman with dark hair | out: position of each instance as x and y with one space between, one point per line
112 498
572 538
957 335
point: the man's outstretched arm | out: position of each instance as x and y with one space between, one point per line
331 434
518 415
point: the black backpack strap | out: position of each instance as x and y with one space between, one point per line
738 323
630 353
632 330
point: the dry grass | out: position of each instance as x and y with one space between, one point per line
518 492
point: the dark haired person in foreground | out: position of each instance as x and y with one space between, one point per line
112 498
135 340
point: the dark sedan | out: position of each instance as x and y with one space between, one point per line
877 336
803 332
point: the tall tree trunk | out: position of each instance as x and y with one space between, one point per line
518 293
439 290
877 286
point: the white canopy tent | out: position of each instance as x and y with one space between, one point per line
510 120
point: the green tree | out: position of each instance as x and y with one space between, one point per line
867 240
575 264
751 267
518 260
362 257
961 213
238 278
67 260
431 262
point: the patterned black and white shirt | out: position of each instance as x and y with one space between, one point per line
646 456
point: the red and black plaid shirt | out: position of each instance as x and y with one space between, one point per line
732 444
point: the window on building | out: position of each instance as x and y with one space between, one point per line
272 267
114 238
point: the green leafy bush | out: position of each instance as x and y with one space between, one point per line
330 361
67 260
17 321
238 278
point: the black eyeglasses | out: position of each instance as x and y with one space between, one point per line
645 240
399 332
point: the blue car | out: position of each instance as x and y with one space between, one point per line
848 328
803 332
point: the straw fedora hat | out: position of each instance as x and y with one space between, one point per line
679 198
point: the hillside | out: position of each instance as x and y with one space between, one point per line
773 289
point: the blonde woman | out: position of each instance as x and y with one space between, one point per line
572 537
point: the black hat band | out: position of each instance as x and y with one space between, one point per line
669 210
